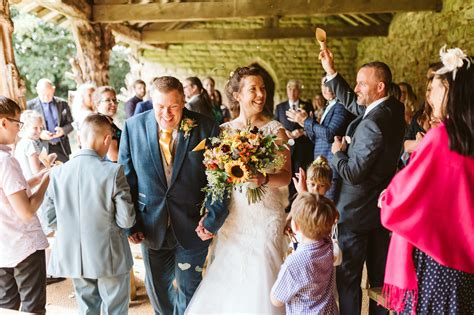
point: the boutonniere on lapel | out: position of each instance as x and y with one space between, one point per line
186 125
301 106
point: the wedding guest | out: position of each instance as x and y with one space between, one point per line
408 98
430 268
317 178
27 153
319 103
28 149
58 119
139 87
366 159
220 111
306 281
302 149
89 215
333 122
394 90
83 104
197 99
422 121
22 242
146 105
105 99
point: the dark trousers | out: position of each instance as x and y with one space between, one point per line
301 156
25 285
164 265
59 150
369 246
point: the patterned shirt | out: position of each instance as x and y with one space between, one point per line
18 238
306 282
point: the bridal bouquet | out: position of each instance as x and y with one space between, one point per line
236 156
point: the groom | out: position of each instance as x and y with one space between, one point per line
166 177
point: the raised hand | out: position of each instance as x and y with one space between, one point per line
297 116
327 61
300 181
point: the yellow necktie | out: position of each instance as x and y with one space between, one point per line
165 142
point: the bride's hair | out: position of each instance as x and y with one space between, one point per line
236 76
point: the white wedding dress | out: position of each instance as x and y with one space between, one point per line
246 255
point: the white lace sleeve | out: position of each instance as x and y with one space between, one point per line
273 127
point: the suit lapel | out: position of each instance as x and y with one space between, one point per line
181 150
152 140
353 125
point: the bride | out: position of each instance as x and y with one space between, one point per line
249 248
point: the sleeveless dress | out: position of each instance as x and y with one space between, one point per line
246 254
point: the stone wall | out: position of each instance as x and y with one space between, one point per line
414 41
283 59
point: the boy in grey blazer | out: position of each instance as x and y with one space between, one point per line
88 203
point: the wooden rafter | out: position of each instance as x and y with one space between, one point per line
180 36
200 11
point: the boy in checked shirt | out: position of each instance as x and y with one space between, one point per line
306 282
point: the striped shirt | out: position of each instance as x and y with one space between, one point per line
306 282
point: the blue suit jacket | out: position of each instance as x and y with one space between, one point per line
143 106
322 135
181 201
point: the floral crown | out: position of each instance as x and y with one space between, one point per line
452 60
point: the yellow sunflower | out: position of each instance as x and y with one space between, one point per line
237 172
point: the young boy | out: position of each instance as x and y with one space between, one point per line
306 282
22 242
89 204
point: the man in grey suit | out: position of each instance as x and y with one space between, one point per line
366 159
88 202
57 118
159 150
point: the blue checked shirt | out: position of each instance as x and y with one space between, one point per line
306 282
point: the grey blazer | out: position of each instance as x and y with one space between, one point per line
200 105
88 202
371 158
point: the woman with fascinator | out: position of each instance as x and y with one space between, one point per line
429 205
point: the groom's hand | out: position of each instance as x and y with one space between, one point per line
136 238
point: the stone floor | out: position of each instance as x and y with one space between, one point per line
61 301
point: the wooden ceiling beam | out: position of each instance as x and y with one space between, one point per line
78 9
184 36
201 11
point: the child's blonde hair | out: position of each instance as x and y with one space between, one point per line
314 214
28 117
319 171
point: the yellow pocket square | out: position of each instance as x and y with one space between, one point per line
200 146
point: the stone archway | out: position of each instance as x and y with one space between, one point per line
269 86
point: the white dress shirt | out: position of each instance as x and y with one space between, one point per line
373 105
331 104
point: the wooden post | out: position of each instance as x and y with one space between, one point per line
10 83
94 43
